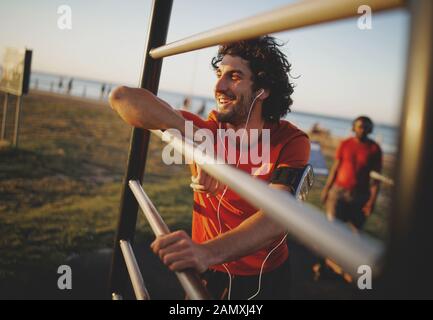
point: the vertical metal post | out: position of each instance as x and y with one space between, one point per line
5 113
407 272
17 120
157 35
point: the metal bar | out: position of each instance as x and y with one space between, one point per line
309 225
292 16
158 28
5 112
407 272
134 271
158 226
189 280
380 177
17 120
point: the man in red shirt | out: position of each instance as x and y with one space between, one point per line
242 252
350 194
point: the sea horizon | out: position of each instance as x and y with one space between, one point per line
386 134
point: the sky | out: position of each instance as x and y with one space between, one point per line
340 70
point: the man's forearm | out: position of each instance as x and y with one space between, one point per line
374 191
332 175
141 108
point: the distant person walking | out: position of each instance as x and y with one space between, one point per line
70 84
349 194
102 91
202 109
60 84
186 104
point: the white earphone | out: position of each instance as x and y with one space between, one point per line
261 92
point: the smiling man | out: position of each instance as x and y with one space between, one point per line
241 252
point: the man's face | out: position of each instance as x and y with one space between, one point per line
360 129
233 90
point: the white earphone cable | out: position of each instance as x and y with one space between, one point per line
219 205
225 189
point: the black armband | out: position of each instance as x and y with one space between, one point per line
290 177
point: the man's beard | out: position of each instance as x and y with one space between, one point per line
238 113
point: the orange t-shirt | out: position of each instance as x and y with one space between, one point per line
289 147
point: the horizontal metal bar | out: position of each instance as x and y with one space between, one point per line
189 280
292 16
134 271
380 177
309 225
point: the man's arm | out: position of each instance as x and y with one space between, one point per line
141 108
330 181
179 252
374 184
369 205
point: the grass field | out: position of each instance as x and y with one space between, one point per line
60 190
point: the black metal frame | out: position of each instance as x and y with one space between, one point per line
157 35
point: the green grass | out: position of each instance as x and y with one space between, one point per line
60 191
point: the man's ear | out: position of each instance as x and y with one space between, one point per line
262 94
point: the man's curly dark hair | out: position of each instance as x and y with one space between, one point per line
270 70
